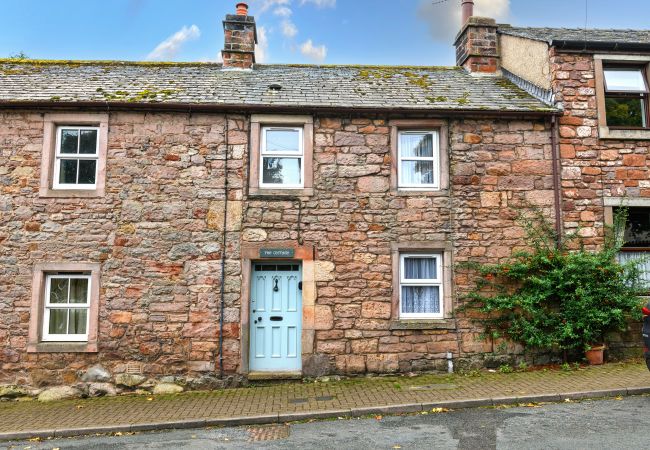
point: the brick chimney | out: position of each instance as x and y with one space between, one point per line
477 48
240 36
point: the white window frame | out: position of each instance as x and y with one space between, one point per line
58 156
50 337
300 154
435 135
439 282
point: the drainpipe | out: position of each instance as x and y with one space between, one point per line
557 182
223 251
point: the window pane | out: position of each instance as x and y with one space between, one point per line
88 142
58 321
625 112
78 290
78 321
69 139
417 172
628 80
281 171
282 141
420 268
59 290
644 266
68 172
420 299
637 227
87 171
420 145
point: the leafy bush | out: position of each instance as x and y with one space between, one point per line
551 298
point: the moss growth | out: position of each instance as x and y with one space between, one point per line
439 99
464 100
55 98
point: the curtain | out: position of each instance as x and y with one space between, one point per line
420 299
417 172
420 269
644 267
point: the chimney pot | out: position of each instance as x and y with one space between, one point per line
468 10
242 9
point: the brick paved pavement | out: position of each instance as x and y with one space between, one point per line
280 402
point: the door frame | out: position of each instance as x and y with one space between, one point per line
305 255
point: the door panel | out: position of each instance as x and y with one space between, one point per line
276 317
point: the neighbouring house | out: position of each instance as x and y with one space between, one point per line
285 220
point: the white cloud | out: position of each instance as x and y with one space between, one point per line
320 3
168 48
317 53
444 18
283 11
288 28
261 6
262 47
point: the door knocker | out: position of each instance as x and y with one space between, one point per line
276 288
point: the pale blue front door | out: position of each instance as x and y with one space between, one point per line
276 317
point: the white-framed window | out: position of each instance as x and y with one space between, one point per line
67 304
282 158
421 286
418 165
626 96
76 157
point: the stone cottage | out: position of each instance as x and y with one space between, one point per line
282 220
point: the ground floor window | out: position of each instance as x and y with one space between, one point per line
637 240
67 301
421 286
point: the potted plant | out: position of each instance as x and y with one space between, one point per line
595 354
558 296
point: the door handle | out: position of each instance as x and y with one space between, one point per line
276 318
259 319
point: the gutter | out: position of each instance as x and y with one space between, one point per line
586 45
248 108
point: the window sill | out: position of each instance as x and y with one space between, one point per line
62 347
639 135
419 193
280 193
424 324
71 193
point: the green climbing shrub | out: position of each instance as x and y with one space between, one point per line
554 298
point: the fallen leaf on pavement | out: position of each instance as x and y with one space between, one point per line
439 410
378 417
397 446
150 399
532 405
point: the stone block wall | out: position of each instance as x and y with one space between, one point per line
497 168
594 169
157 234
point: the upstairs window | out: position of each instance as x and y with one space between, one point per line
67 304
626 97
418 160
282 158
421 286
76 158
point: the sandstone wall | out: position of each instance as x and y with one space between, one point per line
158 236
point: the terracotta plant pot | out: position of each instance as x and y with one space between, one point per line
595 355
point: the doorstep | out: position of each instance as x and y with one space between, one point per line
294 375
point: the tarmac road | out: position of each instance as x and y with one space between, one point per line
597 424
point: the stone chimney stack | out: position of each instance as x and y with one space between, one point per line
240 37
477 44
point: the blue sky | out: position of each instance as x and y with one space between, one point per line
414 32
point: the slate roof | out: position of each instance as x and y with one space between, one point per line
557 35
394 88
